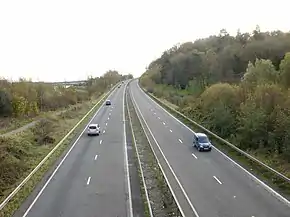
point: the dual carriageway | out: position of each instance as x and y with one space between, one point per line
95 177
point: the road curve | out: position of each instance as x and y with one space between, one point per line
215 186
92 181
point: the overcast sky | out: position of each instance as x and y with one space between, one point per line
58 40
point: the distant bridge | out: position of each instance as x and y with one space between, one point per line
70 83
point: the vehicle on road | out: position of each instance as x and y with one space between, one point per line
108 102
94 129
201 142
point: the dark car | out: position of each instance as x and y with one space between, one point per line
108 102
201 142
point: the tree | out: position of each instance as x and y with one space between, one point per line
220 103
19 104
285 71
6 108
262 72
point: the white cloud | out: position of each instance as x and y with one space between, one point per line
57 40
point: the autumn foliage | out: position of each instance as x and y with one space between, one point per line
236 86
26 98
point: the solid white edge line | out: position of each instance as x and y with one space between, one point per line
217 180
194 155
126 158
89 179
96 156
172 171
180 140
61 162
139 161
254 178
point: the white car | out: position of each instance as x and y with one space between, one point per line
94 129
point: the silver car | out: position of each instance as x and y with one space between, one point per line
94 129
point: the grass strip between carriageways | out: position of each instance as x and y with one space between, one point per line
143 187
163 201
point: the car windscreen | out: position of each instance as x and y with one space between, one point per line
92 127
203 139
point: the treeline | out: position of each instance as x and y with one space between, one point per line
237 86
26 98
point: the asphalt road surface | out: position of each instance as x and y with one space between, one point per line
215 186
92 181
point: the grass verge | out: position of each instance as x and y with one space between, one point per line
270 178
22 152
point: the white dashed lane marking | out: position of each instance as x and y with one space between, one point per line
180 140
163 123
89 179
170 131
96 157
101 141
194 156
217 180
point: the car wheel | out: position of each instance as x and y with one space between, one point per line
198 148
